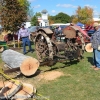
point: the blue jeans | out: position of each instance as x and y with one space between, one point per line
26 41
96 58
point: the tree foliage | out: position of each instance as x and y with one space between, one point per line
62 18
13 13
30 12
59 18
38 14
26 5
83 15
51 19
34 21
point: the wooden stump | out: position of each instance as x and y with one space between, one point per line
2 84
1 49
26 91
88 47
27 64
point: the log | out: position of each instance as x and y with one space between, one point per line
88 47
28 65
1 49
2 84
26 91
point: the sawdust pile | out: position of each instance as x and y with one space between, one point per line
50 75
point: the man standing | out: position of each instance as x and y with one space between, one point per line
95 40
25 35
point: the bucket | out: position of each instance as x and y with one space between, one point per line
3 43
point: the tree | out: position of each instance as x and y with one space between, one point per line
30 12
13 13
34 21
51 19
62 18
83 15
38 14
59 18
27 7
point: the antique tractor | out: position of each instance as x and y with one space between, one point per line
50 48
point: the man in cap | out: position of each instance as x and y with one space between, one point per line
95 40
25 35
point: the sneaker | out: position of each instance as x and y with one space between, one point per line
94 66
24 53
30 51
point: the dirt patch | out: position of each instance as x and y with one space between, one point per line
52 75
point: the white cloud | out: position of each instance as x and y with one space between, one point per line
53 11
37 6
66 5
92 6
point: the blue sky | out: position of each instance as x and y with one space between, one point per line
67 6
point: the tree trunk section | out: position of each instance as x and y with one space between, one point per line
27 64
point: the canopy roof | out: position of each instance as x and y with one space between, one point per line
80 24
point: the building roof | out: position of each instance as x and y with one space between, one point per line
44 11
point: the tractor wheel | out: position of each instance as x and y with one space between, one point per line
43 47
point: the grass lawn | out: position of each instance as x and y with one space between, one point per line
79 82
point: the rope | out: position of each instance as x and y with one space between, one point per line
17 83
7 77
4 86
42 96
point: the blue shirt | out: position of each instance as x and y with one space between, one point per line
95 39
23 33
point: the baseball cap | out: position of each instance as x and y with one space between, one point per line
22 24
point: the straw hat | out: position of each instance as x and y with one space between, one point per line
89 48
95 24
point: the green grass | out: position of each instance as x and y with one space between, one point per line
80 81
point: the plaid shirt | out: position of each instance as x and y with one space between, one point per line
23 33
95 39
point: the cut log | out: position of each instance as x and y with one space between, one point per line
1 49
28 65
26 91
2 84
88 47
